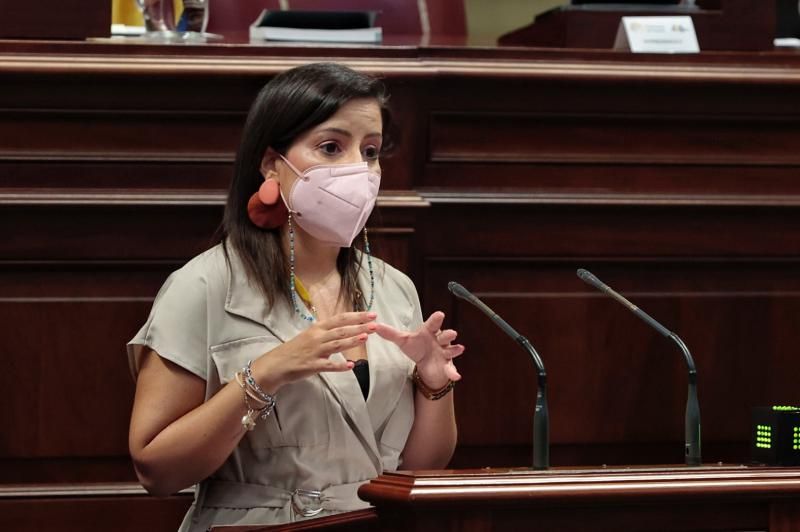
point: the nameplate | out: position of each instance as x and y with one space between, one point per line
657 35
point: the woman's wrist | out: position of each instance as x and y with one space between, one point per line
267 377
432 373
432 393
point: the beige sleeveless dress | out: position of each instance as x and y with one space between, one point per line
323 440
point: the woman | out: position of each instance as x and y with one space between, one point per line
283 368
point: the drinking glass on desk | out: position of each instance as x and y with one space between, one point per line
194 16
159 19
194 21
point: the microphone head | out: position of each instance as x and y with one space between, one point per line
587 276
457 290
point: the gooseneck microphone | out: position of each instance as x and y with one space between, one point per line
692 422
541 422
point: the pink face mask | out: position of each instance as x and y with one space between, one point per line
332 202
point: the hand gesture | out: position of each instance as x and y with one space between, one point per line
430 347
308 353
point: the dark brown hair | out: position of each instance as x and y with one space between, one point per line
289 105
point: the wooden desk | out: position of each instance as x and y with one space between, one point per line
674 179
717 498
673 499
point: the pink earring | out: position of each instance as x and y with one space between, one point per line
265 208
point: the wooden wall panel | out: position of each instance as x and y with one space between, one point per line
66 325
25 20
654 153
579 226
603 182
151 134
578 136
82 514
98 172
612 379
629 139
724 278
133 134
67 377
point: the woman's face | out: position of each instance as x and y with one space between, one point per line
351 135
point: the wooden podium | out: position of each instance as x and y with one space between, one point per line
612 499
720 25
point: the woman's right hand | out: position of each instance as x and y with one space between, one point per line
308 353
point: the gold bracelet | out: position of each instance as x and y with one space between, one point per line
426 391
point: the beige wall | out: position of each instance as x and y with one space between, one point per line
492 18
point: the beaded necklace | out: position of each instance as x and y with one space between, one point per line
304 296
297 290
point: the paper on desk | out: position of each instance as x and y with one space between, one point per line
787 42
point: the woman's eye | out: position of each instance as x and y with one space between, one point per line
330 148
371 153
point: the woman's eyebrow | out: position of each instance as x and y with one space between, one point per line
346 133
340 131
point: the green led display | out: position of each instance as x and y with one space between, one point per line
764 436
775 436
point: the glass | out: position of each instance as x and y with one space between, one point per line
159 19
160 25
194 21
195 15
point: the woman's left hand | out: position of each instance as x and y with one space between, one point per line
430 347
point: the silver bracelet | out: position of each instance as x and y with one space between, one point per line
266 398
249 419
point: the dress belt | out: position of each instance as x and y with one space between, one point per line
308 503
